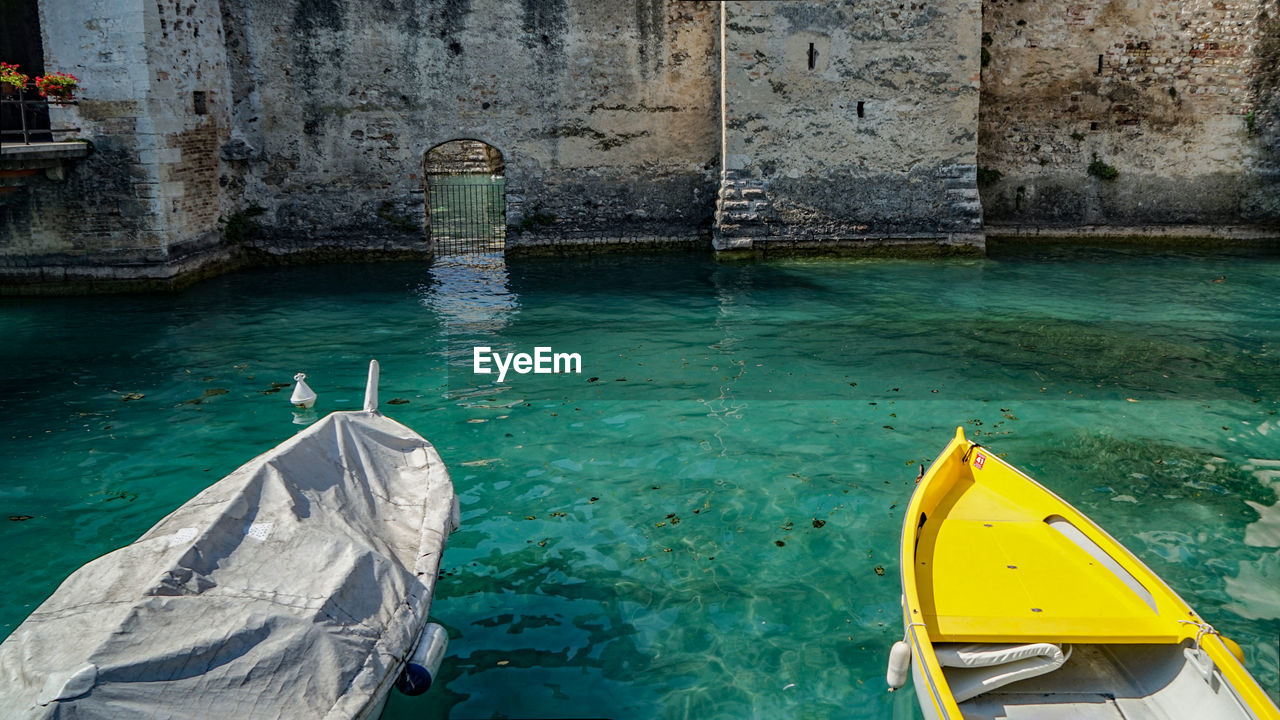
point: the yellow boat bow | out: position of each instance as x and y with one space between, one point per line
994 563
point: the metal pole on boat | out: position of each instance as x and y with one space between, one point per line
371 388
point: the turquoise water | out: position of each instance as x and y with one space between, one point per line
709 528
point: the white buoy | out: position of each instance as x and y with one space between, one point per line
899 665
303 396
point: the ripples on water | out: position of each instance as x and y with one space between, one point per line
701 531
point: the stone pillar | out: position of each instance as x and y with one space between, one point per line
849 123
146 203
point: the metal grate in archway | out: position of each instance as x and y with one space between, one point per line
468 212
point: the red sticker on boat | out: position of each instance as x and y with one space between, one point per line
979 460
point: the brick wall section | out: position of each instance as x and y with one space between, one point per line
1158 90
198 204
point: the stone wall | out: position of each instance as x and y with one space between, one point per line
1163 93
811 124
146 202
604 113
850 121
465 157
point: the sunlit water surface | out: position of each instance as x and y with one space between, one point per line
704 523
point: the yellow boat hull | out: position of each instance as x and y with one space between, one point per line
991 558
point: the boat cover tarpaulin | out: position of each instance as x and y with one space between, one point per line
292 588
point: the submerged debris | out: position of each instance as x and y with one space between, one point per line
131 396
210 392
880 570
818 523
397 401
20 518
275 387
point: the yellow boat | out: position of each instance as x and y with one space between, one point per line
1016 605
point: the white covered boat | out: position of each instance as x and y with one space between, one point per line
295 587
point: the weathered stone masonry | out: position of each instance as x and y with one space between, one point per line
849 123
145 204
1166 93
763 125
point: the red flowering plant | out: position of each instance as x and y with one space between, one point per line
12 79
58 86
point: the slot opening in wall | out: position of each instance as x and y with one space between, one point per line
200 102
861 112
1099 65
813 56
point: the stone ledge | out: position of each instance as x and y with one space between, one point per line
149 269
43 151
1154 233
869 246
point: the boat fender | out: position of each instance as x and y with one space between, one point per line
899 665
303 396
1233 647
424 663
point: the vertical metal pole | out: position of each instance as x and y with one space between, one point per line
22 113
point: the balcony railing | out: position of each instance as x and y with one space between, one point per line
24 114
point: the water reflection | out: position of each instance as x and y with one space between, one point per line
1254 586
470 293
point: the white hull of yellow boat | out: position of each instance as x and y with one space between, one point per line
1015 605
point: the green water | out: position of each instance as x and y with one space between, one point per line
701 531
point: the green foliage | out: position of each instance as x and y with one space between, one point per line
1101 170
1077 136
11 75
241 224
987 176
58 86
986 57
1251 122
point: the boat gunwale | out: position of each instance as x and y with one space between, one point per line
923 658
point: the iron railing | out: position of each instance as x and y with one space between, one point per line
32 112
466 213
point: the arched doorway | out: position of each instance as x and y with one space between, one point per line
466 197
